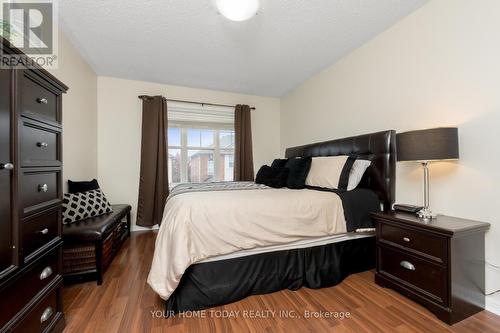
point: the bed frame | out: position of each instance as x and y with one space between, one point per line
210 284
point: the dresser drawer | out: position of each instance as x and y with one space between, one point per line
40 230
415 273
39 146
426 243
41 316
38 190
35 279
38 101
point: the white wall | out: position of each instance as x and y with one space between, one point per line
119 130
440 66
79 113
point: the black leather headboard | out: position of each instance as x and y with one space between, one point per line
378 147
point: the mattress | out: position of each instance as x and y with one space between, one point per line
301 244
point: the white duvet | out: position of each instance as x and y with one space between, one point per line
200 225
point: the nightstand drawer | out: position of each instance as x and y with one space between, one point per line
424 242
415 273
437 263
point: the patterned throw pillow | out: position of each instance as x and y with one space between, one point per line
82 205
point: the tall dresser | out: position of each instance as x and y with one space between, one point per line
30 200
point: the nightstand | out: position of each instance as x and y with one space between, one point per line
439 264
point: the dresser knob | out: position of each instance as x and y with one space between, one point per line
408 265
44 231
47 313
47 271
6 166
43 188
42 144
406 239
42 101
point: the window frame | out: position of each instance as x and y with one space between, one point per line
217 128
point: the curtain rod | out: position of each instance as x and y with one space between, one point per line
202 104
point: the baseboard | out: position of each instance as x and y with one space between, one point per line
138 228
492 278
493 303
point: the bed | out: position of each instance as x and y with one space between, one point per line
220 243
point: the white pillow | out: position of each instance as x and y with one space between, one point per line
357 171
325 171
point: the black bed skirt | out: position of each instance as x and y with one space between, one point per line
206 285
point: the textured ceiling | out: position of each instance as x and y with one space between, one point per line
187 43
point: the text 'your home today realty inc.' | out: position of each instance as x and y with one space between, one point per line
252 314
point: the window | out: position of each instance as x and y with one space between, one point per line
200 153
200 143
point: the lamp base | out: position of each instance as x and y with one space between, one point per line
426 214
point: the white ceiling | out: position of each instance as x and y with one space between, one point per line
187 43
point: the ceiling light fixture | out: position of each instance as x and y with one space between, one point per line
238 10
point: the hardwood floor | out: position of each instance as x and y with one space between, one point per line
125 303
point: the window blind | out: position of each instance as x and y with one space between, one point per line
179 112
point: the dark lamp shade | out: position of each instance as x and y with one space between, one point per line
428 145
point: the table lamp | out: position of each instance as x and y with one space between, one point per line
426 146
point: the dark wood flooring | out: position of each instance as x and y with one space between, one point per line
124 303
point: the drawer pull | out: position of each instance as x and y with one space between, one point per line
47 313
47 271
42 100
44 231
408 265
42 144
406 239
6 166
43 188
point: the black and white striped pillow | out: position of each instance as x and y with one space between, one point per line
82 205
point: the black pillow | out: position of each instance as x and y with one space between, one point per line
299 168
273 177
279 163
77 187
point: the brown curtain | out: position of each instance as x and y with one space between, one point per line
153 183
243 156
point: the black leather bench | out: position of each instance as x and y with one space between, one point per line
91 244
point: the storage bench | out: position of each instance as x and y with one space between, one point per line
91 244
